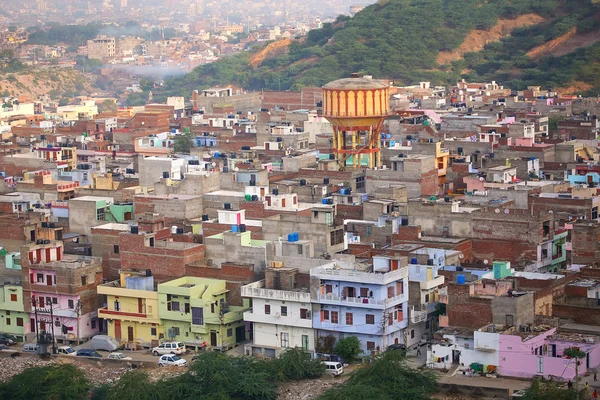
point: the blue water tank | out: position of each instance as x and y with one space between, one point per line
460 279
235 228
173 130
414 260
323 201
388 136
217 154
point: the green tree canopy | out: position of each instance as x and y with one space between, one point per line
54 382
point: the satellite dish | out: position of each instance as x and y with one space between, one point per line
461 256
497 210
507 211
486 262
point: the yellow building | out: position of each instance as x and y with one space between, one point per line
441 158
131 309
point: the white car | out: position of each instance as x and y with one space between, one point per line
169 348
66 351
119 356
171 359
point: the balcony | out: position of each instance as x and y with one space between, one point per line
350 275
432 283
250 316
257 290
366 302
112 314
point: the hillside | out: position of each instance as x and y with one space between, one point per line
436 40
56 82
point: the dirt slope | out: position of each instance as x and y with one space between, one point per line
565 44
38 82
477 39
272 50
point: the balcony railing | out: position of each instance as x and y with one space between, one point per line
351 275
358 301
106 311
258 290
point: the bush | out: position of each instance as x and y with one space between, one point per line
348 348
295 364
53 382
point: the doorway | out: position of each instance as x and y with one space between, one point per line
130 333
455 356
240 334
117 329
213 339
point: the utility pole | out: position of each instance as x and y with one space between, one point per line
78 310
52 324
576 378
37 331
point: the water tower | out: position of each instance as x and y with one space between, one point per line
356 107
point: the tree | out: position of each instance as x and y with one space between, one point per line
107 106
53 382
387 377
348 348
63 102
183 143
542 390
296 364
134 385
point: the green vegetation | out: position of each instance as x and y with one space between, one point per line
401 40
107 106
8 62
348 348
182 144
542 389
55 382
387 377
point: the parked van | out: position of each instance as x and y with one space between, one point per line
103 342
334 368
169 348
30 348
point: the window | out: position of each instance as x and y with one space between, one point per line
229 332
93 322
334 317
336 237
117 305
426 298
153 331
328 288
7 321
57 323
40 278
13 297
19 321
283 311
315 214
100 214
304 313
370 319
175 306
268 309
83 280
369 230
48 300
364 292
116 249
509 320
197 316
304 342
370 346
174 331
349 318
285 340
360 182
390 292
326 315
412 333
54 300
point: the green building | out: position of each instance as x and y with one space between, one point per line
13 317
196 310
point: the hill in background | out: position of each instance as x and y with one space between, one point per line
553 43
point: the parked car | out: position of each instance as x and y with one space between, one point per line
334 368
396 347
30 348
6 340
169 348
88 353
66 351
118 356
171 359
103 342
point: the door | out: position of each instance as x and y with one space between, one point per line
117 329
540 365
240 334
42 325
305 342
455 356
130 333
213 339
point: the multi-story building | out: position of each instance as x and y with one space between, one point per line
102 47
281 312
65 283
369 302
131 308
197 310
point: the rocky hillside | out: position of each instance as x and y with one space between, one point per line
55 82
554 43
